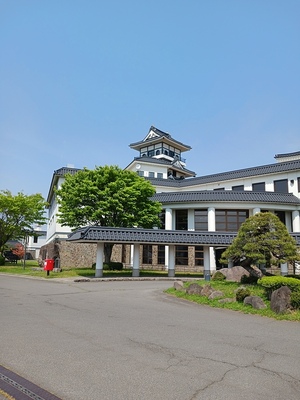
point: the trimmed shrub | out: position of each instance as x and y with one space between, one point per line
242 293
2 260
271 283
295 299
218 276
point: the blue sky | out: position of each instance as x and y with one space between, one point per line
81 80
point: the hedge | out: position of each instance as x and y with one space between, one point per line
271 283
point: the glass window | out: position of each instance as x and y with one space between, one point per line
151 174
281 186
162 217
239 187
298 180
181 220
230 220
160 175
161 254
199 255
140 173
147 254
259 187
201 220
35 239
181 255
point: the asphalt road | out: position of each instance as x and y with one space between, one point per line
129 340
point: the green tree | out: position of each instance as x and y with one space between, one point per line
107 196
262 238
18 214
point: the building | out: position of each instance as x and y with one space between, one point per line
201 215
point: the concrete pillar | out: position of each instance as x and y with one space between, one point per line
206 261
284 269
168 226
191 219
296 221
256 210
212 256
99 260
136 260
171 264
288 221
211 219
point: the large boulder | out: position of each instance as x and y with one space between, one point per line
234 274
215 295
207 290
178 285
281 300
255 302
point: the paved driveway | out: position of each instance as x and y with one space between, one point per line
128 340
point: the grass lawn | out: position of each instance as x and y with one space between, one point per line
228 288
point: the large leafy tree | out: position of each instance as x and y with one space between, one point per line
18 214
262 238
107 196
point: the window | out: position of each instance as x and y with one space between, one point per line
281 186
201 220
147 254
259 187
35 239
281 216
140 173
199 255
181 220
162 217
151 174
181 255
298 180
160 175
161 254
238 188
150 153
220 188
230 220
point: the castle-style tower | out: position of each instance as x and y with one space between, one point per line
160 156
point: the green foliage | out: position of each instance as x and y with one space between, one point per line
295 300
111 266
241 293
262 239
18 214
218 276
107 196
271 283
249 279
2 260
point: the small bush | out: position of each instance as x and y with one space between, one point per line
241 293
275 282
295 300
2 260
218 276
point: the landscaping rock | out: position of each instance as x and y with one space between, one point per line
215 294
281 300
234 274
207 290
178 285
255 301
194 288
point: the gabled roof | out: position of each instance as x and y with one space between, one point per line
231 175
56 175
226 196
156 136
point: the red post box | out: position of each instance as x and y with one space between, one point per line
48 265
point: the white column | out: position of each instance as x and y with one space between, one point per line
99 260
288 222
168 226
296 221
284 269
191 219
256 210
136 260
206 260
211 219
212 256
171 263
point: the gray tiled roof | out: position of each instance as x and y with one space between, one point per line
146 236
162 161
296 153
95 234
230 175
226 196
